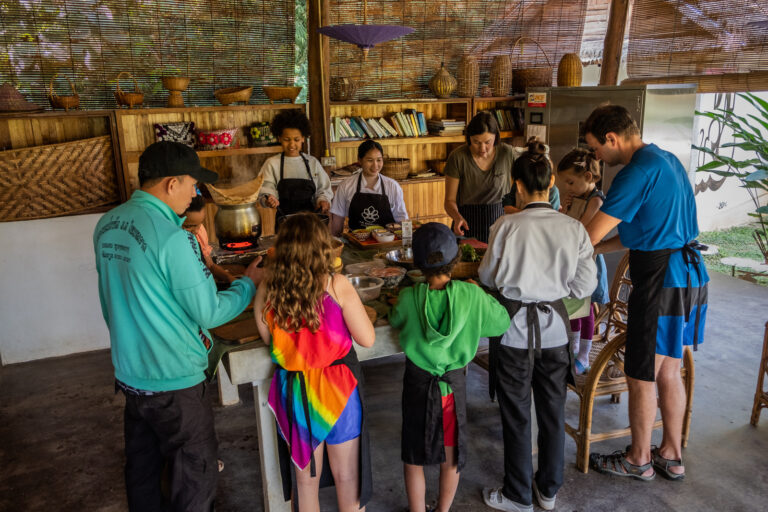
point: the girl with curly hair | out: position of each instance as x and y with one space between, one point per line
309 316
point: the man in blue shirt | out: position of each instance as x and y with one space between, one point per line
652 203
159 300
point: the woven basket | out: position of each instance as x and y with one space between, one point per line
468 79
465 270
501 75
396 168
442 84
343 89
233 95
175 83
65 102
57 179
569 71
522 78
276 93
128 98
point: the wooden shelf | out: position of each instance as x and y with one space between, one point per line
402 101
395 141
133 156
509 134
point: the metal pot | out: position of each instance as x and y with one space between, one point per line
237 222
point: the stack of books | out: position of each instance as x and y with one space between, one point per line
446 127
408 123
509 118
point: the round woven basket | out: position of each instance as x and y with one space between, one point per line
465 269
569 71
65 102
468 79
343 88
522 78
128 98
442 84
501 75
396 168
233 95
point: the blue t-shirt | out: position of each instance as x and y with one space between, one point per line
654 200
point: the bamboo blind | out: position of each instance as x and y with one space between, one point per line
444 31
217 44
701 38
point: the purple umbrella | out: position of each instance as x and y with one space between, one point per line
365 36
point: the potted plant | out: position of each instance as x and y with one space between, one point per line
750 134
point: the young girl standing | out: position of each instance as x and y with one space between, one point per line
579 173
309 316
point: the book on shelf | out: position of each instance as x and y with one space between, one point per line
388 127
406 123
508 118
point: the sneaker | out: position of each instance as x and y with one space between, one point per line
495 499
544 502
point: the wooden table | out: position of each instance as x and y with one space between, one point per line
252 364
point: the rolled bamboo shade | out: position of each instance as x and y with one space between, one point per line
721 43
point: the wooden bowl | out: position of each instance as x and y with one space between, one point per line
233 95
277 93
175 83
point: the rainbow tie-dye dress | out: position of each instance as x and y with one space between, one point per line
305 384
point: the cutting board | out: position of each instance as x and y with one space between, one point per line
238 333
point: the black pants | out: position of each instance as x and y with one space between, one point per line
547 378
175 427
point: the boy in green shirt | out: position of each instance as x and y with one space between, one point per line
440 323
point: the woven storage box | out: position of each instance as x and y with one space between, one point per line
396 168
501 75
343 89
58 179
65 102
522 78
468 79
569 71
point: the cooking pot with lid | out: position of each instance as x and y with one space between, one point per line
237 223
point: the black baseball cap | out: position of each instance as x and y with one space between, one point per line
166 158
434 245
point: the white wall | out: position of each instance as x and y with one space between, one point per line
49 303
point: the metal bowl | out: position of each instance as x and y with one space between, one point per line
368 288
402 257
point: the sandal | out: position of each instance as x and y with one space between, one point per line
662 465
617 464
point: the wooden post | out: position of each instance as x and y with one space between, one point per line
614 41
319 70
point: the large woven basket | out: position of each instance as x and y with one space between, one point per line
277 93
522 78
57 179
501 75
127 98
396 168
342 88
465 269
65 102
569 71
468 77
233 95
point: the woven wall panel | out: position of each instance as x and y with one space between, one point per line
705 37
57 179
444 30
220 43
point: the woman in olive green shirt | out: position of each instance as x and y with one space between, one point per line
477 175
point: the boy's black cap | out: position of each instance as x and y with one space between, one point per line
434 245
163 159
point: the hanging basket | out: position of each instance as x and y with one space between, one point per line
65 102
128 99
468 77
522 78
501 75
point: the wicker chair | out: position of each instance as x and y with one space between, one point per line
606 376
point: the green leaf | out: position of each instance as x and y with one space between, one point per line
711 165
762 209
757 175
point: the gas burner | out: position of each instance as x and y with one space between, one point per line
238 247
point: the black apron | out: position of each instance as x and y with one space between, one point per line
367 209
480 218
532 321
422 433
295 194
288 469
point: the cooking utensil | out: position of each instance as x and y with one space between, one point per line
368 288
237 223
402 257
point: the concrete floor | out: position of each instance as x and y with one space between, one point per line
61 433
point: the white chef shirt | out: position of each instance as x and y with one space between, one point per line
538 255
348 188
294 169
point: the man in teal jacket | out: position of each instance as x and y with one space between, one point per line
159 300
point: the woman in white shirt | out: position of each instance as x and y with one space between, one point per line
368 198
294 181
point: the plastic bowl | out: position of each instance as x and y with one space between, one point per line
416 275
383 236
391 275
368 288
362 269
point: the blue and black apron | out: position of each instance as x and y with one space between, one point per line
368 209
667 306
